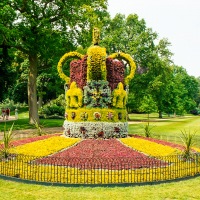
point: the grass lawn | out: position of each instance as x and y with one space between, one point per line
23 122
182 190
166 126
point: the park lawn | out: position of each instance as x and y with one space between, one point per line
23 123
170 126
180 190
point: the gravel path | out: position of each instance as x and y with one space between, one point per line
30 132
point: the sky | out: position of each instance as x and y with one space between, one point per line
176 20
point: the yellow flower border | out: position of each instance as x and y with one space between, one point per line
149 147
45 147
72 54
130 61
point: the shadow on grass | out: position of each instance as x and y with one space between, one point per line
22 124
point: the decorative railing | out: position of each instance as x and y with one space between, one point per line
177 139
171 138
60 170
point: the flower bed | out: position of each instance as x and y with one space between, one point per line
21 168
69 160
149 147
166 143
45 147
33 139
110 154
29 140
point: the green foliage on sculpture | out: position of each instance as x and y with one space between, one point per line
74 96
95 36
119 96
97 94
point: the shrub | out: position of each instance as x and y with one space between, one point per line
54 108
148 130
188 139
7 137
7 103
39 130
195 111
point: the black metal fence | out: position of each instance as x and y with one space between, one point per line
97 171
174 139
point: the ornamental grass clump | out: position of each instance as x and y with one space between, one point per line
39 130
188 140
7 138
148 130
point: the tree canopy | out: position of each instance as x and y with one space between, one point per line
43 29
35 34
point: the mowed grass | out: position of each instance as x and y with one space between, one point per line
23 122
182 190
167 126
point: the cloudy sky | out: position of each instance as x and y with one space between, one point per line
177 20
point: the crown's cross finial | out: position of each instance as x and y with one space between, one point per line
96 36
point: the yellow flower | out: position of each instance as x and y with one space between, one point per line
61 62
96 65
148 147
45 147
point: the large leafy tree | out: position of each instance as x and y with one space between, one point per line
187 90
42 28
6 73
131 35
158 76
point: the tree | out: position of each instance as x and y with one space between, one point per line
132 36
44 28
181 91
187 89
148 105
7 74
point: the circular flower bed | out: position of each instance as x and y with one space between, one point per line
55 158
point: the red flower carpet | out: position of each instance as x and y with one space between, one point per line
106 154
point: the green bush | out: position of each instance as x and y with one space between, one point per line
7 103
54 109
7 138
188 139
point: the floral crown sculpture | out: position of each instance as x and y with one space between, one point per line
96 92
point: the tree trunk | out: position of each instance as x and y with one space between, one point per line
160 114
40 100
32 90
